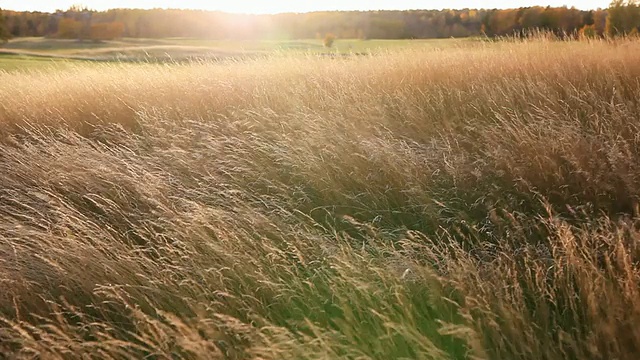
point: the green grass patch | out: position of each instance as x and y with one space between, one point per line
13 63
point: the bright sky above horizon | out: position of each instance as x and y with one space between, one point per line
275 6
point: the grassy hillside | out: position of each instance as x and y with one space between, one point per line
478 202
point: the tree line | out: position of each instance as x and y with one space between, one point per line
622 17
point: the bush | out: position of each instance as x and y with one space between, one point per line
328 41
588 32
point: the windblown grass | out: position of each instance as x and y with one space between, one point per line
478 202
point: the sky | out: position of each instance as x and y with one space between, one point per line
275 6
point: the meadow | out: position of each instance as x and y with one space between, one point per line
476 201
45 53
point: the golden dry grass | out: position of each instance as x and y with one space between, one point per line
478 202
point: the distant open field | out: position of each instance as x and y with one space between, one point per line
481 201
42 52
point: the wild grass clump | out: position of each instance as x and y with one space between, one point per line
478 202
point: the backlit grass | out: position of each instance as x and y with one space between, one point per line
477 202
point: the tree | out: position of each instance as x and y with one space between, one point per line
69 29
4 33
600 21
106 31
624 16
328 40
588 18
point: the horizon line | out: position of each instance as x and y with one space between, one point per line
302 12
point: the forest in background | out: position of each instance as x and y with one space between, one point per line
622 17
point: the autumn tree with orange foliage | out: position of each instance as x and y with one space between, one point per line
106 31
69 29
588 32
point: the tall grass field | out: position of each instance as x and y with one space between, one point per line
476 202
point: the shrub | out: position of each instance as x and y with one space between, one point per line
328 41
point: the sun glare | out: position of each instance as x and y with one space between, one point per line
252 8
